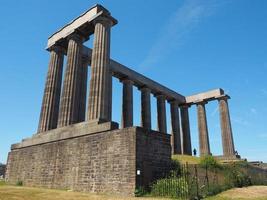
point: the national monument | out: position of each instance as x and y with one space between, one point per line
79 147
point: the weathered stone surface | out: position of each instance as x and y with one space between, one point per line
204 96
2 170
226 128
161 114
105 162
186 135
120 71
82 24
99 104
67 132
70 98
83 90
50 105
204 144
127 103
175 122
145 108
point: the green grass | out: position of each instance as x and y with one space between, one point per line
2 183
186 159
8 192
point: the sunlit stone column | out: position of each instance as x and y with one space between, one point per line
203 129
161 114
175 122
99 103
187 146
127 103
50 105
69 104
145 108
227 136
83 89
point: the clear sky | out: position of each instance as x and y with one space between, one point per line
189 46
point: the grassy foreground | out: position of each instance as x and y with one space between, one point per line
8 192
246 193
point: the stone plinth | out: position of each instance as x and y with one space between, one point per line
104 162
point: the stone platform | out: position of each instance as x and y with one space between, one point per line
81 158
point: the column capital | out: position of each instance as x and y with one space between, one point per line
160 96
174 102
104 20
76 36
186 106
144 89
126 80
223 97
201 102
57 48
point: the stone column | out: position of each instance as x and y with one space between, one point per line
175 122
226 128
99 102
69 104
83 89
204 145
50 106
161 114
145 108
187 147
127 103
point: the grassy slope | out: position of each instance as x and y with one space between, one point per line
8 192
186 159
248 193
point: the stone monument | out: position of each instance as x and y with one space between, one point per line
81 148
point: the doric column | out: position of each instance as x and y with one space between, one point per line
145 108
50 106
227 136
203 129
69 104
127 103
187 147
161 114
175 122
99 103
83 89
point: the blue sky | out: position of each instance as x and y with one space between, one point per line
189 45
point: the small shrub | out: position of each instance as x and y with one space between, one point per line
170 187
235 177
210 162
19 183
